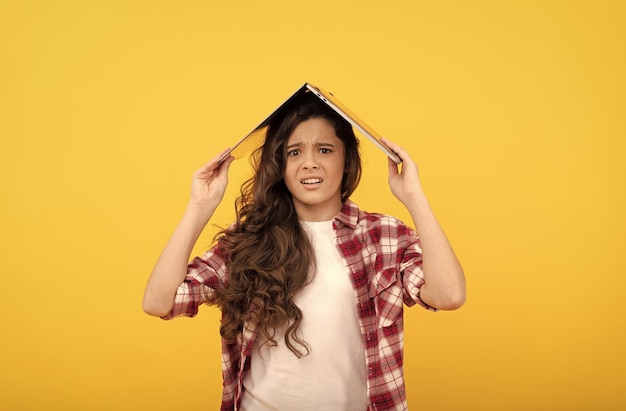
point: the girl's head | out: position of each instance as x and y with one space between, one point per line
272 157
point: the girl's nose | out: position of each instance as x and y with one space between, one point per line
310 166
309 162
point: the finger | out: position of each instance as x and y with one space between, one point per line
399 150
220 158
226 162
214 163
224 165
393 167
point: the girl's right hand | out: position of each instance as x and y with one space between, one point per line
210 181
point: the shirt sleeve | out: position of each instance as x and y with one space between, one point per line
204 275
411 267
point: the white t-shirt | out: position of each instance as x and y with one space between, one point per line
333 375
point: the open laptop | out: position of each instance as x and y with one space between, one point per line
256 137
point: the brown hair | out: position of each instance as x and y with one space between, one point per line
270 257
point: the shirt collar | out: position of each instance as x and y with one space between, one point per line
349 214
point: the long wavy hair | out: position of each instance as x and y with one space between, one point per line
270 258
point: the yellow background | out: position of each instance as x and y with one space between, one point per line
514 111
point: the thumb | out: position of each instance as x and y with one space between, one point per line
393 167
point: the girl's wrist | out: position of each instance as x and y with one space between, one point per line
200 213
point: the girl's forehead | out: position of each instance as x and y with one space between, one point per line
314 131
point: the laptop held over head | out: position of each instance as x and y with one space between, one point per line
256 137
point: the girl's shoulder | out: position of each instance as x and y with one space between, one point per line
377 221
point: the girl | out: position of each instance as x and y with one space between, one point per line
311 288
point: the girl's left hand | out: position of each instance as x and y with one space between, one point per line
403 179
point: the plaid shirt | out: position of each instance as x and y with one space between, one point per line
385 262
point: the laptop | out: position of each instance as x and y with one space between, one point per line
256 137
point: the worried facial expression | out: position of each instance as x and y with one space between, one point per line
315 169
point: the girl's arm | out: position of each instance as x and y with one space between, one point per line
444 286
207 190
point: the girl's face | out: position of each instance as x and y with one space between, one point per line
314 170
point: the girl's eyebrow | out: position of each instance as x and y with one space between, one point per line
322 144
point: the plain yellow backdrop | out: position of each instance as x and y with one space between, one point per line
514 111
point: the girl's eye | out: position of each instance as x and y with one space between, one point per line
293 153
325 150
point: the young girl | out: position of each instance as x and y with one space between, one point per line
311 288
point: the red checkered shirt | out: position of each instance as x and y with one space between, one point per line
385 262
